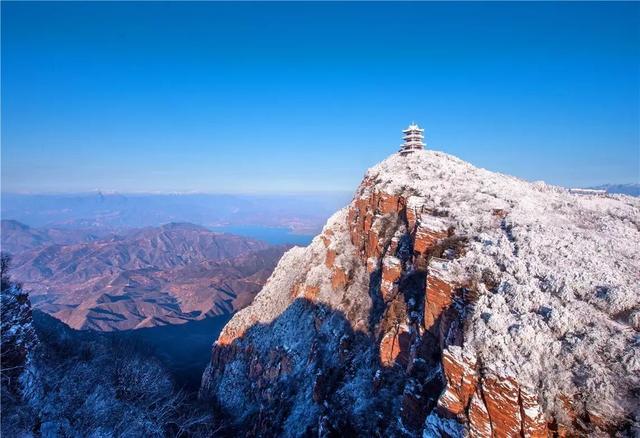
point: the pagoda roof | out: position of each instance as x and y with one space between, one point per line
413 127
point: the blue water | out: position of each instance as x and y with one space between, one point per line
272 235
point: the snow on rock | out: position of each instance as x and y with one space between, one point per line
391 271
576 255
445 299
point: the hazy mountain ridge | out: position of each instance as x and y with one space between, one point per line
141 278
301 213
631 189
18 237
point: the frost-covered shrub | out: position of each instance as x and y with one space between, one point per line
17 341
81 384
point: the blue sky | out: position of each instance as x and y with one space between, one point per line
287 97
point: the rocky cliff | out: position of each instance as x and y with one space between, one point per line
445 300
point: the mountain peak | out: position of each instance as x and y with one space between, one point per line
14 225
445 297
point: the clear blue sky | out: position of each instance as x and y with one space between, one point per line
252 97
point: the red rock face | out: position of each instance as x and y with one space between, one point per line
339 278
501 399
439 296
492 405
395 346
391 271
426 239
462 380
362 214
326 237
295 290
311 292
389 203
565 429
330 258
534 424
479 421
227 337
412 213
373 264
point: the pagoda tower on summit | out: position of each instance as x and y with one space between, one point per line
413 139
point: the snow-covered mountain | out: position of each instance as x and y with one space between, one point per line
631 189
444 300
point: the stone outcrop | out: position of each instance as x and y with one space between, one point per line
391 271
439 297
492 404
369 330
426 238
479 420
339 278
462 381
395 346
392 241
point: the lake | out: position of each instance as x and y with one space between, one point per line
272 235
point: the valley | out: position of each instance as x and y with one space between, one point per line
137 278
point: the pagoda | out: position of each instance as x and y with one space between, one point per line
413 139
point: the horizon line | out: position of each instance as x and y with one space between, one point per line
247 193
171 193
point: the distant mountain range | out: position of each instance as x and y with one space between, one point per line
304 213
18 237
140 278
632 189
